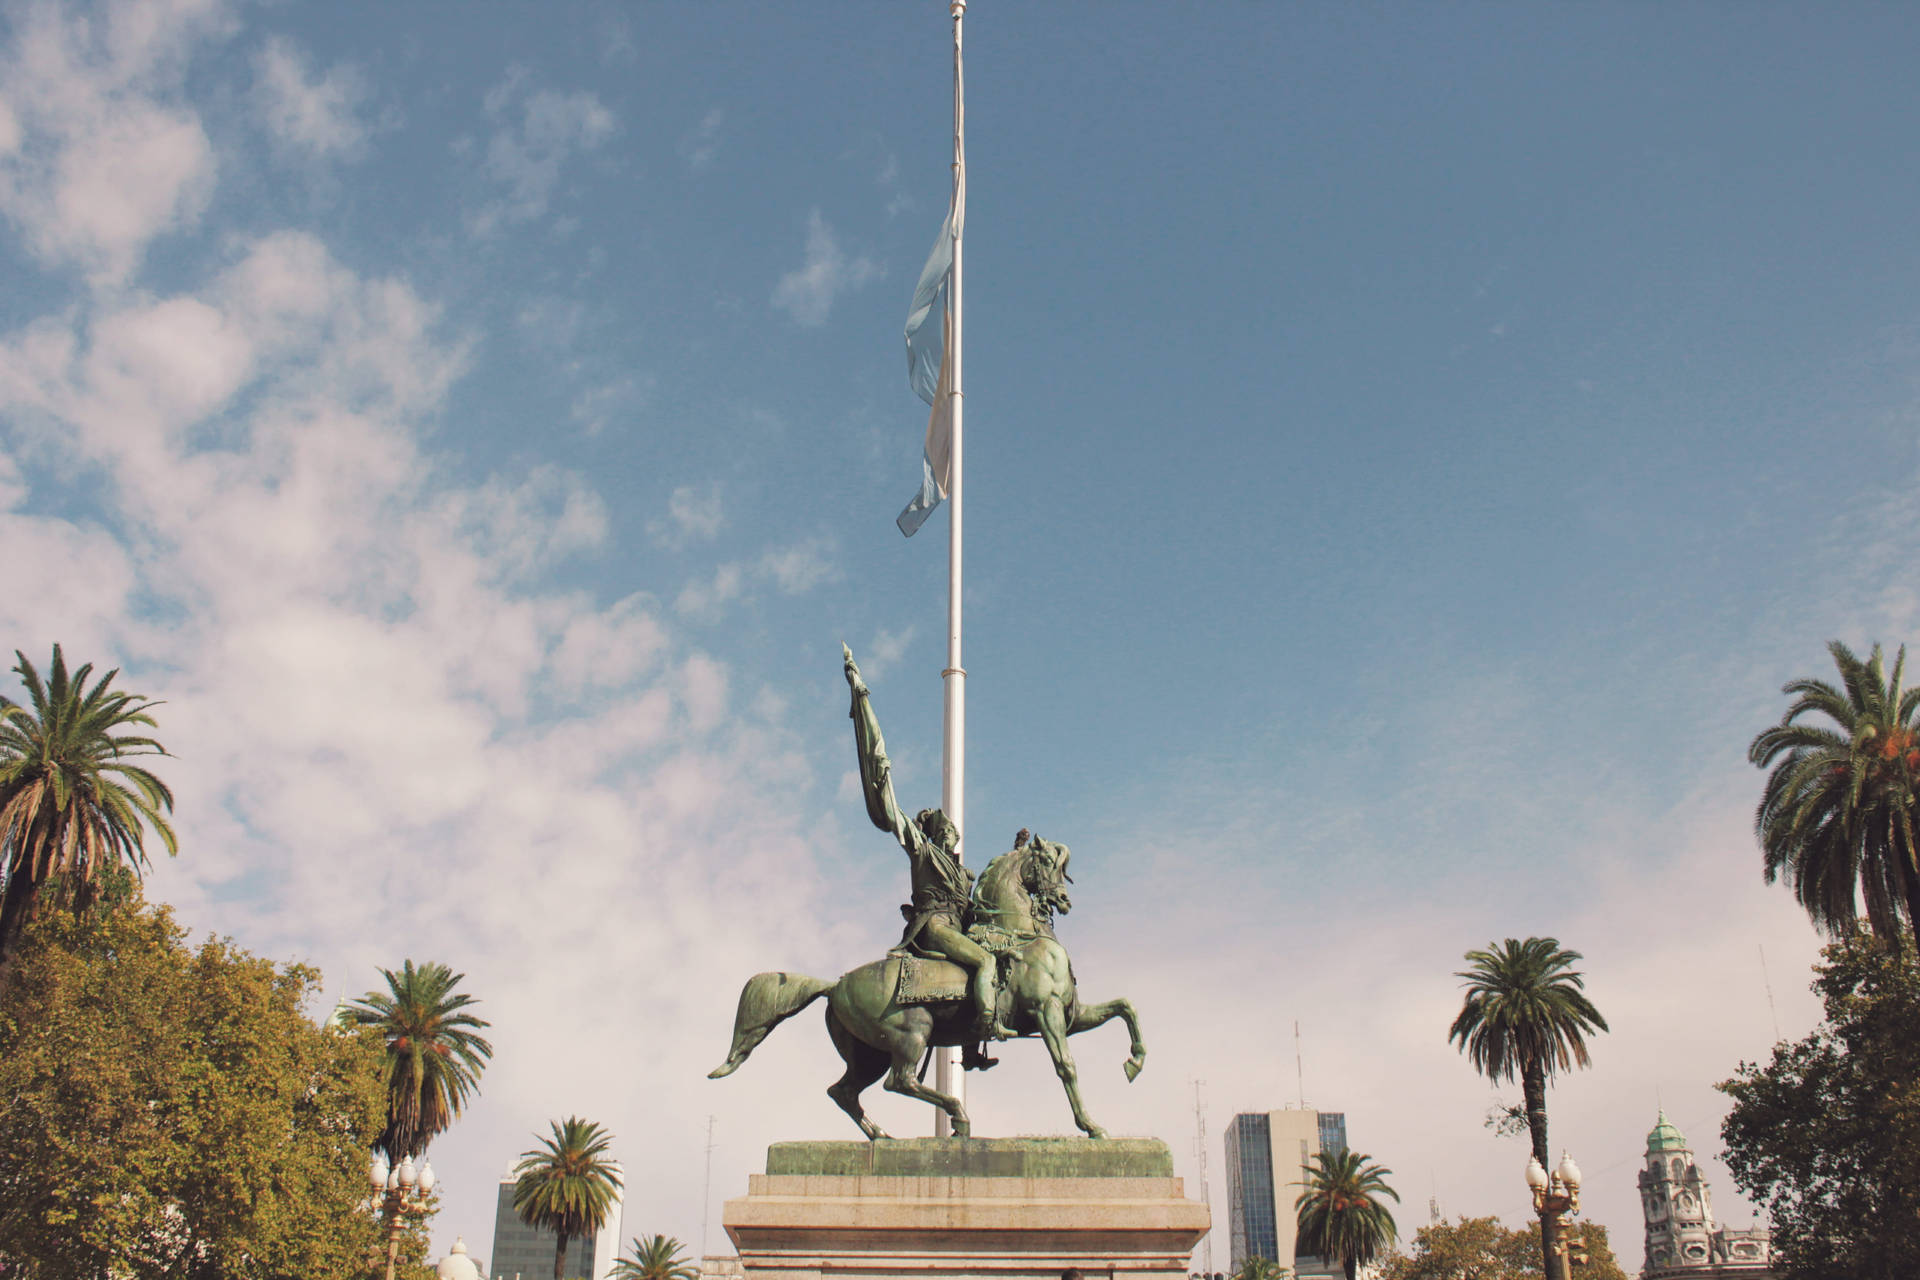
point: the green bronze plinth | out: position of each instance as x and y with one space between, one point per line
975 1158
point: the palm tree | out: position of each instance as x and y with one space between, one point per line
1526 1014
73 804
655 1258
434 1054
566 1184
1259 1268
1340 1215
1838 814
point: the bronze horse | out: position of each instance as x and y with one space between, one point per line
1014 903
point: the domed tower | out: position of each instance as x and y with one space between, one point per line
1674 1199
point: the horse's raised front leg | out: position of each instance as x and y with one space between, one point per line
1087 1017
1052 1017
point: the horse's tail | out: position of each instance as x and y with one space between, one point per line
767 1000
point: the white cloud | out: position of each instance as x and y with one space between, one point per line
701 143
693 515
537 132
360 663
316 115
800 567
705 601
599 404
791 570
809 292
885 649
98 153
608 648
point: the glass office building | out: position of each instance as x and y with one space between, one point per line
1265 1152
521 1253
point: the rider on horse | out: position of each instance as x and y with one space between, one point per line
942 885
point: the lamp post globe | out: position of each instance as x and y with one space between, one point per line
1556 1198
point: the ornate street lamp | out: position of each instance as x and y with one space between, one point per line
1556 1198
398 1191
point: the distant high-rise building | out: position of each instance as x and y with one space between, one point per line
1265 1152
521 1253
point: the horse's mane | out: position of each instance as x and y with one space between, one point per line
1002 885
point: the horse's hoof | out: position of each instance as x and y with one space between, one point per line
1133 1066
1095 1131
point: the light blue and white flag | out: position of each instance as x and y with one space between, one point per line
929 359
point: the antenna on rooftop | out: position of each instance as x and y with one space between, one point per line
1299 1066
1200 1154
706 1198
1768 983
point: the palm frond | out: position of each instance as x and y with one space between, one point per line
1837 819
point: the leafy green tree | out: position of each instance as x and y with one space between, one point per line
655 1258
1826 1135
1526 1014
1482 1249
434 1052
566 1184
1340 1214
74 800
1838 816
168 1111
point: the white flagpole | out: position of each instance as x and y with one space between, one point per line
953 761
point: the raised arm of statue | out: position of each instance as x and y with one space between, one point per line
876 774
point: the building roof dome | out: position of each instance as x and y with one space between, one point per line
457 1265
1665 1137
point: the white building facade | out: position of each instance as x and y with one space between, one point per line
1683 1243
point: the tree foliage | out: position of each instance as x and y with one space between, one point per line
75 801
434 1052
1837 819
566 1184
1827 1134
1341 1214
1482 1249
655 1258
166 1111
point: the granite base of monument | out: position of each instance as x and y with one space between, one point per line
966 1209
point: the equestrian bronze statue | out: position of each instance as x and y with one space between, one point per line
978 962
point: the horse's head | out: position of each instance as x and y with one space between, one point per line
1043 874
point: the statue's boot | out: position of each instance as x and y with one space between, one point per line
986 1004
974 1058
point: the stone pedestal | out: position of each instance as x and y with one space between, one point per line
966 1209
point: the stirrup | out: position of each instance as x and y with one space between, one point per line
989 1029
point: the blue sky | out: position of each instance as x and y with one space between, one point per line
1408 448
